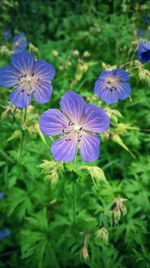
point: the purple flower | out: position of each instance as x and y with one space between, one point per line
112 86
1 195
20 43
77 124
144 52
4 233
7 34
29 78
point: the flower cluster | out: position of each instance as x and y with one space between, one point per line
78 122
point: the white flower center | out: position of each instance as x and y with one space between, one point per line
77 127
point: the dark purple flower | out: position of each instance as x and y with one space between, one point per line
144 51
1 195
77 125
29 78
4 233
112 86
7 34
20 43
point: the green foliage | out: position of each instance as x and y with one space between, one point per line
59 214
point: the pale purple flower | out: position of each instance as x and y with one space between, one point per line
77 124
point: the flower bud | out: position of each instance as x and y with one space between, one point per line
103 234
55 53
75 52
123 209
86 54
85 252
106 136
117 214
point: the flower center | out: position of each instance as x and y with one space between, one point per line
28 81
77 127
111 84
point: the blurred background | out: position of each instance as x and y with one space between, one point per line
37 195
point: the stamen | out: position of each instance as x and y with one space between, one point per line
70 124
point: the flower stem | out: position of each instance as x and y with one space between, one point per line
23 134
74 202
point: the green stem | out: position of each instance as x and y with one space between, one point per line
23 134
74 202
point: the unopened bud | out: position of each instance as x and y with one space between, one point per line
117 214
103 234
86 54
75 52
123 209
85 253
55 53
106 136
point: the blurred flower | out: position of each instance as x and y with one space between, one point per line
75 52
112 86
7 34
1 195
29 78
4 233
140 33
19 42
77 123
55 53
147 19
5 50
86 54
144 52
